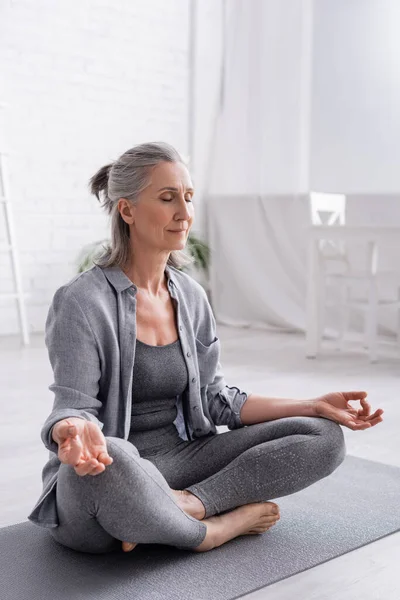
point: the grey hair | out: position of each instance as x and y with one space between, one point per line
126 178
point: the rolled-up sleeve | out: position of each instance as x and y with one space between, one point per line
225 406
74 357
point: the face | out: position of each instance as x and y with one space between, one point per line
164 207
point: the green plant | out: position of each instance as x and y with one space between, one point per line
196 247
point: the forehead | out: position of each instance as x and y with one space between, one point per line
168 174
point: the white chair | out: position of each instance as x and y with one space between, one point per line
330 209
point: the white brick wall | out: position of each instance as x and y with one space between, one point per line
84 81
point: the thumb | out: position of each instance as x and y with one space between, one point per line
63 430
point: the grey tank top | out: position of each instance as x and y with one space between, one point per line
159 375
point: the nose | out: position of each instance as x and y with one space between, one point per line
185 209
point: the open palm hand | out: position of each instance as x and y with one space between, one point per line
336 407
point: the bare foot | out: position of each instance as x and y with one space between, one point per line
190 504
249 519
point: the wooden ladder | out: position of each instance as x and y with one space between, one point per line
10 247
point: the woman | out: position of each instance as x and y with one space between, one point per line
139 391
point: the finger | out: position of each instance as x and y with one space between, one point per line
354 395
85 467
360 426
366 408
98 469
351 424
70 450
104 458
73 431
96 444
377 413
375 421
128 546
64 430
82 468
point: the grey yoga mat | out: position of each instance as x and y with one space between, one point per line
357 504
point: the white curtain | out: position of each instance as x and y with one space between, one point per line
257 274
259 259
257 208
255 148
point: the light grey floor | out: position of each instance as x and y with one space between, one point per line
268 363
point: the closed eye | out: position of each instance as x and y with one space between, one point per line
189 199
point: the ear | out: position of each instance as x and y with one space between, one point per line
126 210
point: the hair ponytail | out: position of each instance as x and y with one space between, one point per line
98 184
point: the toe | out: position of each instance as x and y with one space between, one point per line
128 546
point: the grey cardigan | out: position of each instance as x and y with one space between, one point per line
91 335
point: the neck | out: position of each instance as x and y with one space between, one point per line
148 276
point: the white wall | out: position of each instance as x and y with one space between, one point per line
355 145
84 81
207 75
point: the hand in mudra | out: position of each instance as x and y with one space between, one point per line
81 444
336 407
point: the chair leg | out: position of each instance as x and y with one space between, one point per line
321 311
344 313
372 322
398 317
367 325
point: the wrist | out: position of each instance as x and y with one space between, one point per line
312 407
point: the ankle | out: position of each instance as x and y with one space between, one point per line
194 501
211 539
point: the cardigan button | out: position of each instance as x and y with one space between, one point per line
188 354
194 380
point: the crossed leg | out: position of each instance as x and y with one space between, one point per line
133 500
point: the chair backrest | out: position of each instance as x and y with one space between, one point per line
332 207
329 209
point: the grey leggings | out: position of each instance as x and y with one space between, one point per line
132 499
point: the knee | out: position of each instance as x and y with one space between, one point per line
119 447
333 446
121 451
